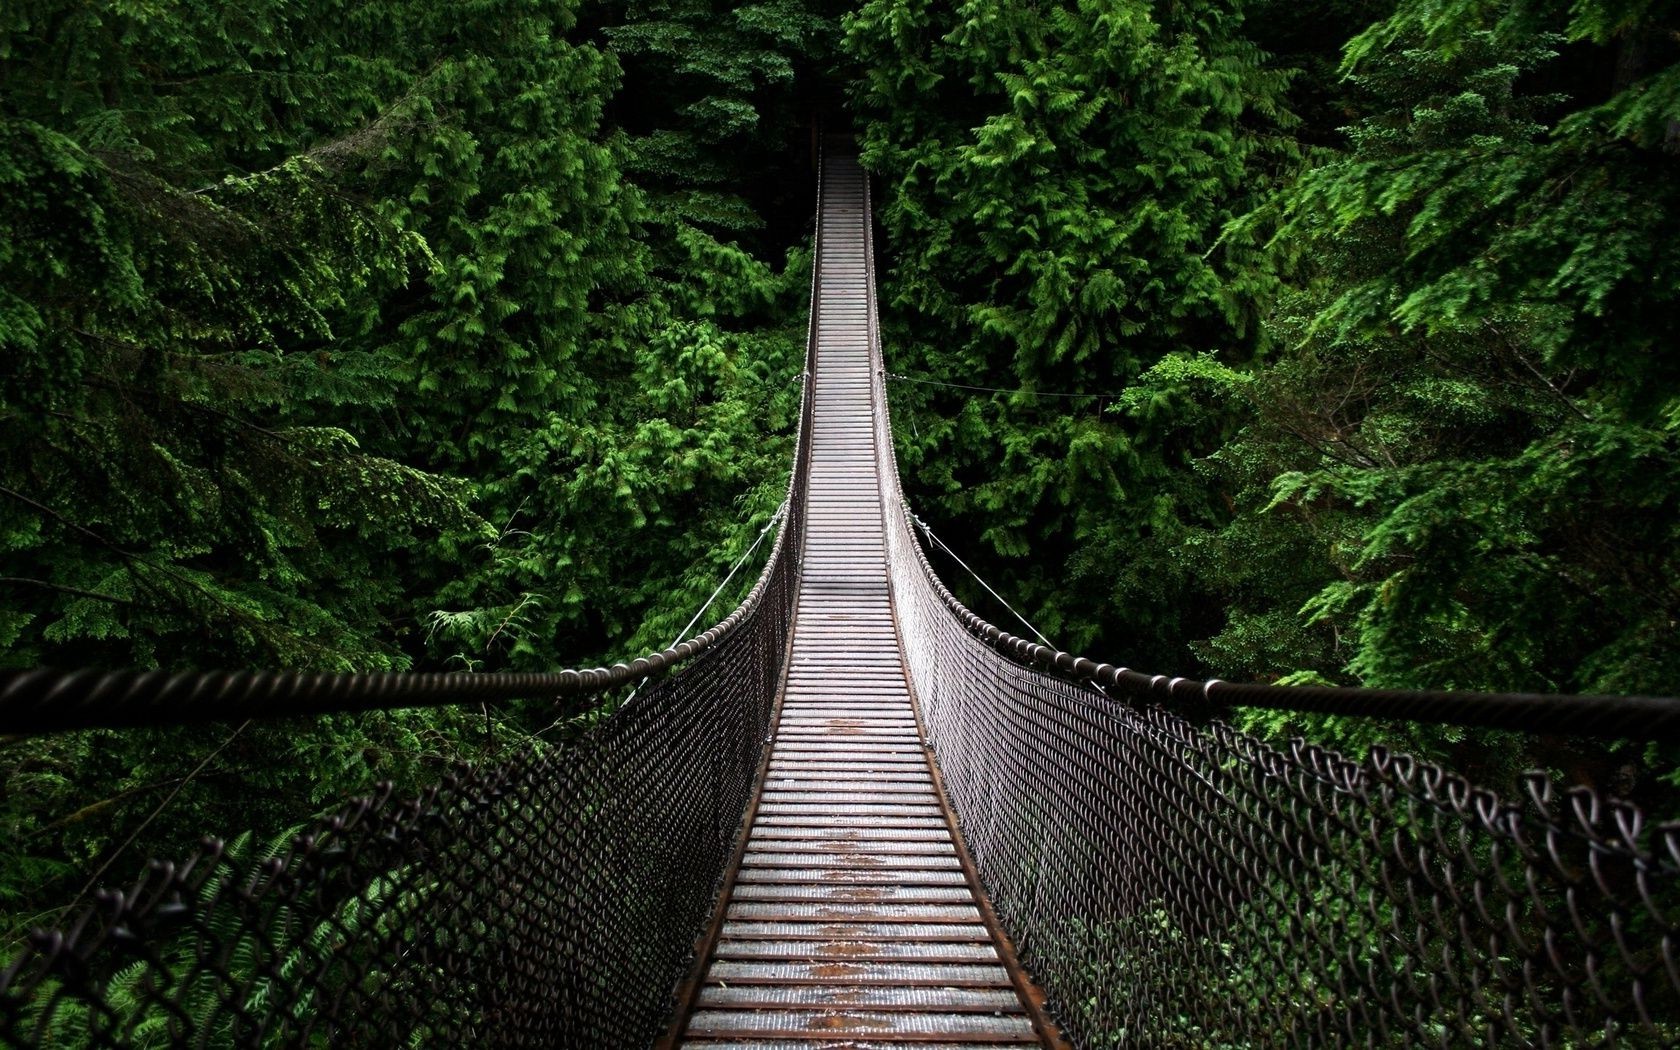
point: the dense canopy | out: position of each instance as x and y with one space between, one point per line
1296 342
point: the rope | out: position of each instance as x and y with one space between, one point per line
987 389
1608 716
775 519
942 546
51 699
928 532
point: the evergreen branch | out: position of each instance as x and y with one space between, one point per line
91 808
158 401
141 561
93 880
71 525
65 589
349 146
1522 359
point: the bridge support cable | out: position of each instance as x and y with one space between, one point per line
1171 881
954 556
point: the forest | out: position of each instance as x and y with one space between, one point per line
1309 342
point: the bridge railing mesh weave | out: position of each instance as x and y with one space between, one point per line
554 900
1172 883
550 901
1175 884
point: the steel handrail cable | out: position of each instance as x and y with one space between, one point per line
1654 718
1597 715
927 531
50 699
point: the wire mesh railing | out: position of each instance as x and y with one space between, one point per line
549 901
552 900
1177 883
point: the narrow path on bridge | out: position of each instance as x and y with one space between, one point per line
852 921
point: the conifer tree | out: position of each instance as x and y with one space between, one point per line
1054 182
1472 417
333 336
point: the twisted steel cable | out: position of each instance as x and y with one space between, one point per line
46 700
1655 718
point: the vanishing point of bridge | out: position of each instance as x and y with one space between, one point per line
853 814
852 913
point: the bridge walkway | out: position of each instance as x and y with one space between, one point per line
852 920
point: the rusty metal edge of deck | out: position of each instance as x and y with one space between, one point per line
705 946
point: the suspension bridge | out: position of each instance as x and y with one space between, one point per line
854 814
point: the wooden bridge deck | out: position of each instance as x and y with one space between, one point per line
853 920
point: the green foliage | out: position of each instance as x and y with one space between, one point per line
1459 470
152 511
271 982
1471 416
356 336
1393 403
1055 180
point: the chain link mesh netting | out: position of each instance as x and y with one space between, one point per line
1170 884
552 901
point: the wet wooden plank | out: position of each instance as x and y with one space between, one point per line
762 997
932 1026
848 911
839 1043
